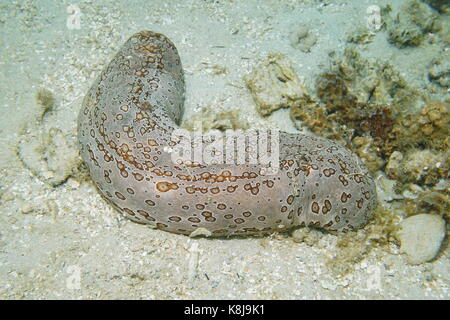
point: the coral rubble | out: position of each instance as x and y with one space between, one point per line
275 85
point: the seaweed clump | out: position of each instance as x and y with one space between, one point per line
359 102
362 104
427 128
354 246
46 100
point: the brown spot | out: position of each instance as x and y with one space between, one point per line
314 224
161 225
145 215
124 173
343 180
190 190
119 195
269 183
315 207
327 207
329 224
226 173
166 186
207 214
290 199
138 176
291 214
107 179
345 196
359 203
129 211
329 172
215 190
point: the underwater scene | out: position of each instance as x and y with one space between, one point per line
224 150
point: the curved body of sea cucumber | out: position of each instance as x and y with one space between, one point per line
125 130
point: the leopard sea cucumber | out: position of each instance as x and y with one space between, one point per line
126 131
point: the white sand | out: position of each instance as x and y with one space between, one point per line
66 242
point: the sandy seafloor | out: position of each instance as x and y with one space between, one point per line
66 242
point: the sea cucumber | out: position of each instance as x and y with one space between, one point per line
127 133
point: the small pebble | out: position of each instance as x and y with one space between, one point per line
421 237
26 208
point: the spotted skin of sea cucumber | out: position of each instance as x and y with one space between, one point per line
125 128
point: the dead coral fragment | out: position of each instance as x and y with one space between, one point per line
405 36
440 5
275 85
439 72
427 128
422 15
361 36
372 81
424 167
210 119
303 38
366 149
411 24
430 201
394 166
213 69
52 156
